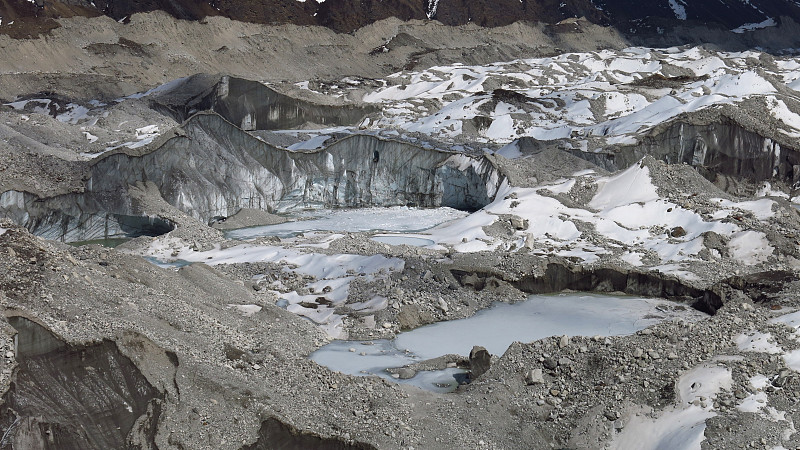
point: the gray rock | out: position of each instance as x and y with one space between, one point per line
519 223
406 373
534 376
479 361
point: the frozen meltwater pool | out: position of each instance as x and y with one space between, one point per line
395 218
496 328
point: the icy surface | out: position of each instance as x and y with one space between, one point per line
497 327
540 316
396 218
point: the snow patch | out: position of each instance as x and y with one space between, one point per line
755 341
678 9
90 137
630 186
770 22
245 310
750 247
683 425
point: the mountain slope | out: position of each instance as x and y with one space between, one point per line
31 17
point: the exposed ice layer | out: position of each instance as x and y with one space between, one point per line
81 396
396 218
197 177
717 146
497 327
214 169
76 217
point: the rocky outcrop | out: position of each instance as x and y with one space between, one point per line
65 396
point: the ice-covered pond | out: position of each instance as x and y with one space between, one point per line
395 218
575 314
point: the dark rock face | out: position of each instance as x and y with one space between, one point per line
275 434
349 15
66 397
558 277
762 286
